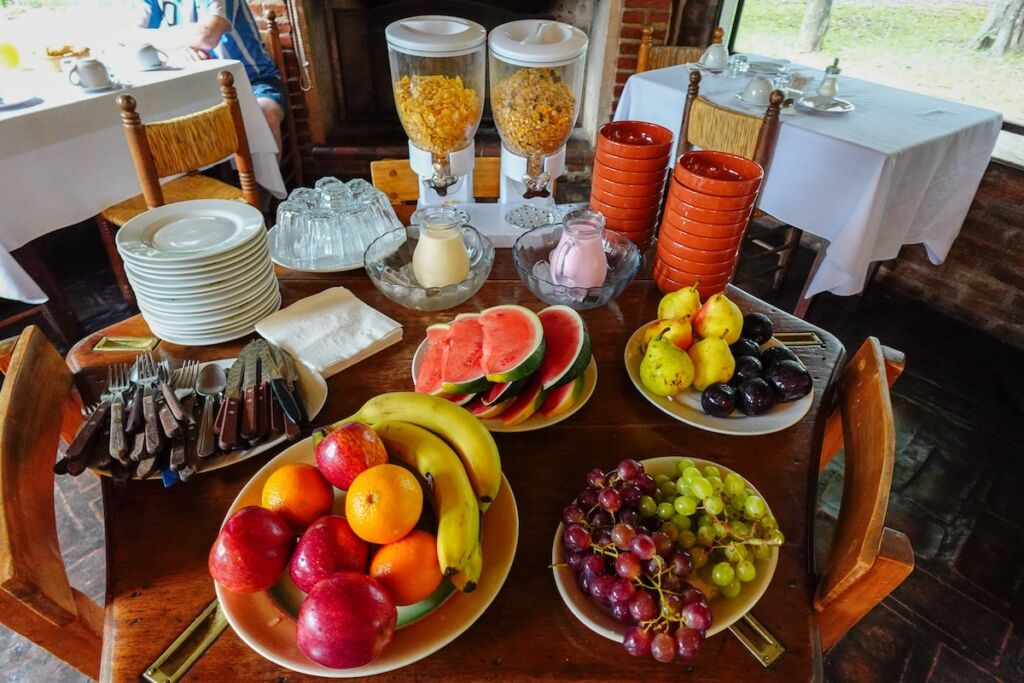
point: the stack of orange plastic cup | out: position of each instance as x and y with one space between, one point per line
630 165
710 199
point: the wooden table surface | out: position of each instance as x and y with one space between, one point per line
158 539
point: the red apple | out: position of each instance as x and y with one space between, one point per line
347 620
328 546
347 451
251 550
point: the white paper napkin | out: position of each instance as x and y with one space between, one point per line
330 331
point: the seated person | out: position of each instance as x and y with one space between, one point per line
224 29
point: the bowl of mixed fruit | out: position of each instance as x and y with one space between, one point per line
662 553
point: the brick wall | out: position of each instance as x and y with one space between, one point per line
636 14
982 280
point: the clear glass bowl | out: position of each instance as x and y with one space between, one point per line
530 254
388 261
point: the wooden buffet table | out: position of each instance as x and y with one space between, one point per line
158 539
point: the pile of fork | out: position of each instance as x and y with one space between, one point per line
151 414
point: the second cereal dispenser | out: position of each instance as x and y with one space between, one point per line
438 75
536 81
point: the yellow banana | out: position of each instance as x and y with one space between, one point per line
468 578
455 424
458 515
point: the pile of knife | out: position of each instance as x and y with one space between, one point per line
156 422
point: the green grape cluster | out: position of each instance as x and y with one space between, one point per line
721 522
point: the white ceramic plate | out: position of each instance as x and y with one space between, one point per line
276 257
746 103
102 88
819 104
253 250
13 100
763 67
313 390
269 629
206 339
708 69
210 321
188 231
724 611
535 421
221 299
686 407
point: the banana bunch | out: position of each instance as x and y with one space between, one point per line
458 458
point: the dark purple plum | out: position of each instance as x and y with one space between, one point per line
745 346
756 396
718 399
774 354
789 379
758 327
747 367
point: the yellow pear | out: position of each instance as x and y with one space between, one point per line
665 370
682 303
712 362
677 330
719 317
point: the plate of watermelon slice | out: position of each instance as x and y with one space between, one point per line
515 369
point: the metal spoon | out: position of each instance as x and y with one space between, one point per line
212 380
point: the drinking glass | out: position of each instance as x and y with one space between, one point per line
361 223
359 187
325 245
305 195
737 65
334 196
326 181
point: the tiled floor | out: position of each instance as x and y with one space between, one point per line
958 491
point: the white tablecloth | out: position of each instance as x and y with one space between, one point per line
900 169
66 158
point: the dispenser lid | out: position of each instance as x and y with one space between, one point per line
537 42
435 36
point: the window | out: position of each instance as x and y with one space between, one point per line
970 51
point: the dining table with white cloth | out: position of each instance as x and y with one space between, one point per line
901 168
64 157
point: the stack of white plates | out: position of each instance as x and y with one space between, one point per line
201 270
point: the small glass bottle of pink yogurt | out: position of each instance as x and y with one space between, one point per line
579 259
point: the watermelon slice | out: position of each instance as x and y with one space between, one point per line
525 404
459 399
513 346
428 379
462 368
485 412
567 346
563 398
503 390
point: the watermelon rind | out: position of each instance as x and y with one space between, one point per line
532 351
525 404
554 377
428 379
562 399
459 399
470 385
503 390
487 412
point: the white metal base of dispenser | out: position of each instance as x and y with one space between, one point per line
513 168
461 164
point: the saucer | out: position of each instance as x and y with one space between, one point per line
700 66
14 101
819 104
102 88
748 103
157 67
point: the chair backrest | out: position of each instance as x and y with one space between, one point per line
400 183
291 158
708 126
188 143
36 598
651 56
870 446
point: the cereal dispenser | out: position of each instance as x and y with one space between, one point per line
437 73
536 81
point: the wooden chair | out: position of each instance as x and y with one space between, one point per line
651 57
291 159
182 145
709 126
37 599
866 560
400 183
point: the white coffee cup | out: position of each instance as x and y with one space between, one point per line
149 57
758 91
715 57
89 72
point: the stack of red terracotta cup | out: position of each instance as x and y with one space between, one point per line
629 177
710 199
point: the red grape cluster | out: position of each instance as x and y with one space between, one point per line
632 564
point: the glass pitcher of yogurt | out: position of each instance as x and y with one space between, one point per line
579 259
440 257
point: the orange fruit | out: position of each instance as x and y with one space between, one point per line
408 569
383 504
299 493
